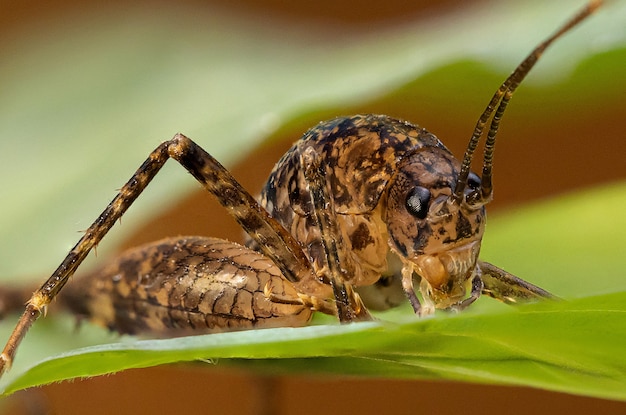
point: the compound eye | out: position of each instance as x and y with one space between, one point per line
473 181
417 202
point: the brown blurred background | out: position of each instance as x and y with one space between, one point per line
555 156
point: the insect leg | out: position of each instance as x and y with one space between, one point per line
477 290
273 239
508 288
407 286
349 304
40 299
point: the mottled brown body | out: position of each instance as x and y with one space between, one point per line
183 285
371 163
360 156
361 201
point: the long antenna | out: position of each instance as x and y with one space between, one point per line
498 103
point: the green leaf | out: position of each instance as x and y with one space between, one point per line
113 88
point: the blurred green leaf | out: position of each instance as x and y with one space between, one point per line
84 101
80 109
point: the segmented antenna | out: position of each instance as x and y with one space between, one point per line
498 102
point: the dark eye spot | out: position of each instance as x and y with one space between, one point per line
473 181
417 202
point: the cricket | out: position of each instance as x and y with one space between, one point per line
362 213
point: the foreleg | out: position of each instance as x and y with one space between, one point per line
349 304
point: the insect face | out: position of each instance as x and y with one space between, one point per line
437 238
